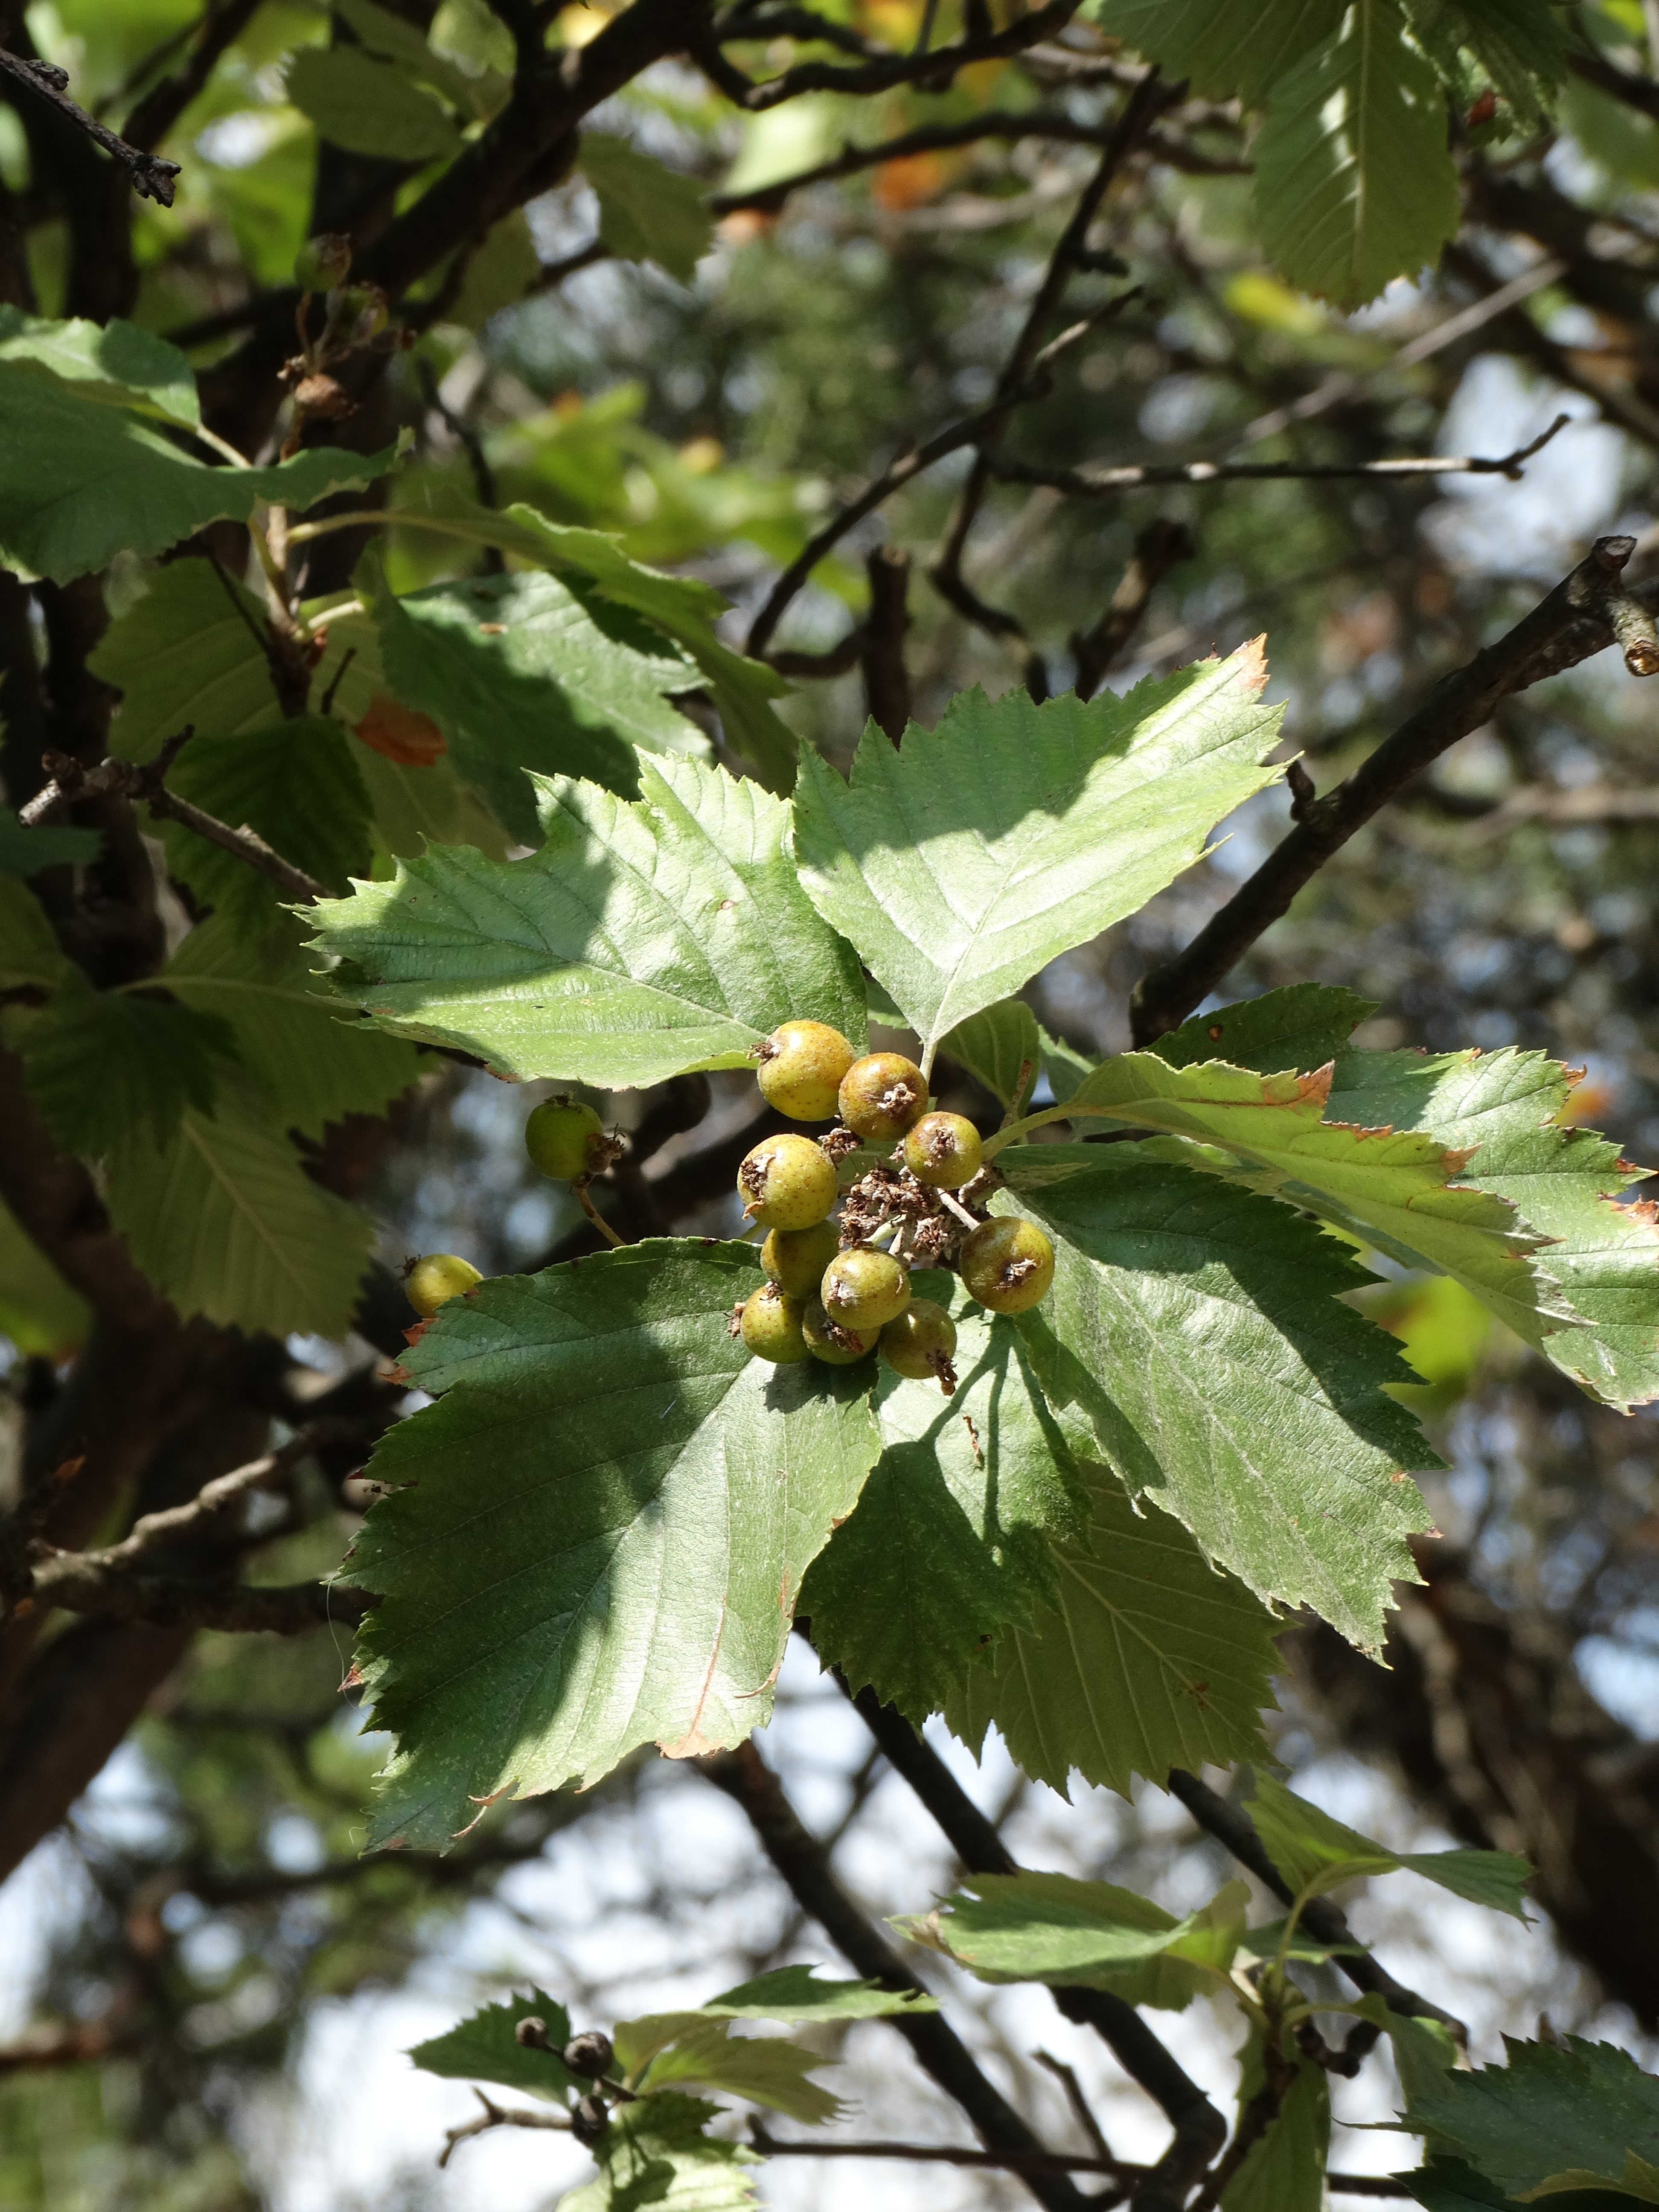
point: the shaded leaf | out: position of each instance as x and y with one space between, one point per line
1145 1658
187 655
104 1064
296 783
643 939
115 362
995 1044
1582 2118
669 2048
30 954
1222 50
1284 2169
960 865
1520 44
1204 1339
1314 1853
483 2048
39 1312
1282 1032
26 851
596 1535
369 105
646 212
655 2154
950 1541
797 1993
225 1220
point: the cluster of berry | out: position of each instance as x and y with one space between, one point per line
835 1292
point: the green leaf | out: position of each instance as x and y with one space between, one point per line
1223 49
226 1221
1314 1853
1605 1257
1052 1928
646 212
26 851
995 1045
369 105
1393 1186
115 362
596 1534
796 1993
500 272
669 2048
1354 183
1284 2169
960 865
187 655
39 1312
1282 1032
296 783
103 1065
520 673
311 1057
950 1540
1582 2118
388 35
1446 2184
30 954
656 2157
1521 44
1202 1336
644 939
1146 1658
80 482
483 2048
1424 2049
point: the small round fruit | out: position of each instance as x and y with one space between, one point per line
795 1259
865 1288
432 1282
921 1343
771 1326
787 1182
881 1095
801 1064
1007 1265
559 1137
944 1149
828 1341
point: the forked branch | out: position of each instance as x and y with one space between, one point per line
152 178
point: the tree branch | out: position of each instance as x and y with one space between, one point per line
151 178
161 106
78 1581
1583 615
886 677
936 71
803 1863
1161 546
499 2115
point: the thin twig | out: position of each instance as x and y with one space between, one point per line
1082 2111
886 678
1161 546
499 2115
880 73
73 1581
152 178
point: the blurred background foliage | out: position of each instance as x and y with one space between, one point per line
206 1990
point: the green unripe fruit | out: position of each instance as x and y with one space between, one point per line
828 1341
881 1095
559 1137
795 1259
865 1288
801 1064
921 1344
1007 1265
944 1149
432 1282
323 261
787 1182
771 1326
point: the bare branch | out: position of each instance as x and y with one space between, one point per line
886 678
77 1581
499 2115
935 71
1161 546
152 178
1577 619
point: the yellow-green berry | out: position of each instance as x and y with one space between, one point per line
944 1149
432 1282
323 261
787 1182
921 1343
795 1259
771 1326
560 1137
864 1288
881 1096
830 1342
1007 1265
801 1066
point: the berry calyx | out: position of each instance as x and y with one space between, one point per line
801 1066
795 1259
432 1282
770 1326
865 1288
787 1182
921 1343
830 1342
881 1095
943 1150
561 1135
1007 1265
